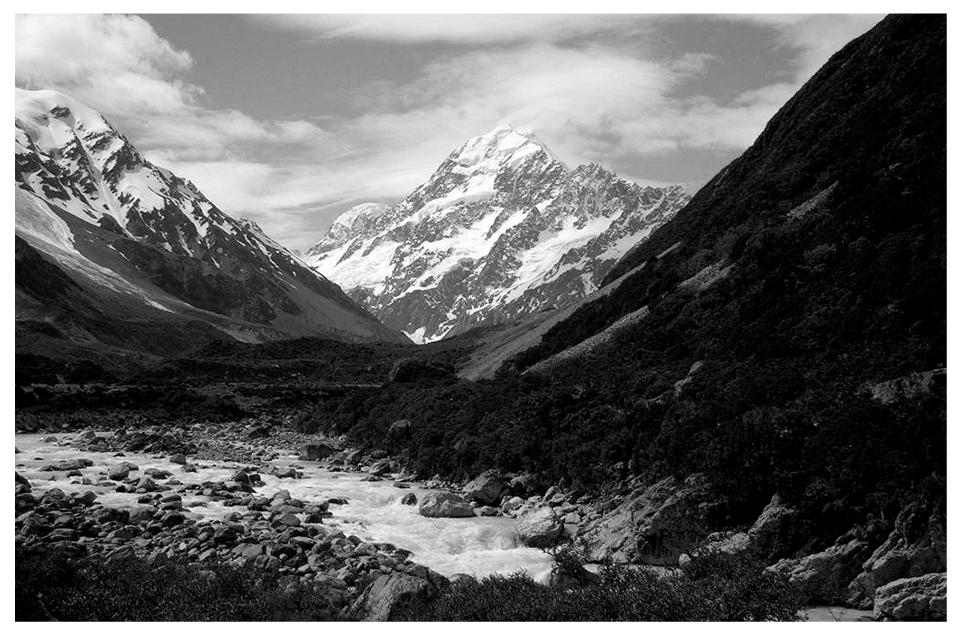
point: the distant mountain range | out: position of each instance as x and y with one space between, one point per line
502 229
135 243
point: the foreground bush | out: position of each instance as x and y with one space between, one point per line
50 586
716 587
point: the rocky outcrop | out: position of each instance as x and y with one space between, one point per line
444 505
774 534
539 527
652 526
916 546
921 598
824 576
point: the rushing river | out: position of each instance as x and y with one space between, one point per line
479 546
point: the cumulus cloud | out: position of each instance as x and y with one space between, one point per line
589 86
119 65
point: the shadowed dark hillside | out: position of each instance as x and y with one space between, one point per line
811 268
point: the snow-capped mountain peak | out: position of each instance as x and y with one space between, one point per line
500 229
79 174
502 146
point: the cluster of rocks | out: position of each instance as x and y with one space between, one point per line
542 519
276 532
904 578
899 573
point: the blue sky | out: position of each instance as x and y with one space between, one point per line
291 119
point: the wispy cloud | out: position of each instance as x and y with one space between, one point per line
456 29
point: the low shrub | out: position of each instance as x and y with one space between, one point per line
715 587
52 586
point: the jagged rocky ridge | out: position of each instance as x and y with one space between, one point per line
501 229
135 241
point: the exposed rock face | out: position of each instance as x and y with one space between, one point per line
920 598
775 532
824 576
444 505
653 526
486 489
539 527
916 546
501 229
107 237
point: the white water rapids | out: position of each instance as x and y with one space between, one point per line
478 546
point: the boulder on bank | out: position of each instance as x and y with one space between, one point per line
316 452
487 489
444 505
920 598
540 527
524 485
390 594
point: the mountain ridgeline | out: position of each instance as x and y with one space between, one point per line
752 336
152 264
502 229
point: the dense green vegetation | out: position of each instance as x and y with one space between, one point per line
52 586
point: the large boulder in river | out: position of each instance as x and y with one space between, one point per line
486 489
916 546
539 527
444 505
652 526
921 598
68 466
824 576
316 452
